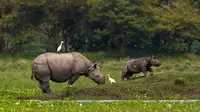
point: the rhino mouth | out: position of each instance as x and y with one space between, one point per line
157 65
99 81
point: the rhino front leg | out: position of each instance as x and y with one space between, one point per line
144 70
73 79
45 87
150 70
128 78
122 77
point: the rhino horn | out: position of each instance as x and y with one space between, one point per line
100 63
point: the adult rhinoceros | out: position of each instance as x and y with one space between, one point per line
64 67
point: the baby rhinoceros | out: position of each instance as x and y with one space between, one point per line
134 66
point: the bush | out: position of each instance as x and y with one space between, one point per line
179 81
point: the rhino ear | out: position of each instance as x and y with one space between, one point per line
100 63
153 57
95 65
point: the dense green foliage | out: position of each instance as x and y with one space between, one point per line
99 25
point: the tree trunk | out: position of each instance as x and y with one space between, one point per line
169 2
122 50
55 46
66 41
66 44
86 45
190 46
2 45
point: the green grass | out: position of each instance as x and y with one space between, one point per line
36 106
177 78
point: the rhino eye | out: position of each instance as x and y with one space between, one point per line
90 69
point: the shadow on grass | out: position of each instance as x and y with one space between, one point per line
134 78
149 88
43 97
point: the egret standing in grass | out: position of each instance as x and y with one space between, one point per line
60 46
111 79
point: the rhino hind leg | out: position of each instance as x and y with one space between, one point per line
45 87
127 76
41 72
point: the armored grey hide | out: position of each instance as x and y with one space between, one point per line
64 67
135 66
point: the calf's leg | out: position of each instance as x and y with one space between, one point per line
144 70
150 70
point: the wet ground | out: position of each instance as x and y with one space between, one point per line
43 101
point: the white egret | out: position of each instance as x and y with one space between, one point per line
60 46
111 79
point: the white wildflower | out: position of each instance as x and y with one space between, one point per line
169 105
80 105
17 103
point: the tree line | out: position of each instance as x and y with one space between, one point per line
92 25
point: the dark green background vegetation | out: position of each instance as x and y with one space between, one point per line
96 25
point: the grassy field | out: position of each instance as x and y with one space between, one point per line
36 106
177 78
